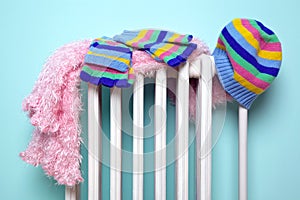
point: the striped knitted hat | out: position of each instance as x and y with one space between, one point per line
248 57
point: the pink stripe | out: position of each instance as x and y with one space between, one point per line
248 76
104 69
113 43
179 38
106 41
144 39
131 76
257 35
276 46
173 49
221 42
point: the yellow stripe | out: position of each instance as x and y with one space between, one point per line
244 32
174 37
153 56
163 49
271 55
124 60
131 70
221 47
247 84
141 34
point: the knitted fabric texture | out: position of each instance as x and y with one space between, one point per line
108 63
248 58
169 47
108 77
54 107
108 53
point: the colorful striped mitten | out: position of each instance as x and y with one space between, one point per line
169 47
108 53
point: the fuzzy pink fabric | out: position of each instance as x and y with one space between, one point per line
54 106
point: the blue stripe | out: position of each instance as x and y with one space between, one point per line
88 78
174 62
160 38
125 36
157 45
106 62
246 56
189 50
84 76
112 48
168 35
189 38
111 53
182 57
225 73
250 49
122 83
265 29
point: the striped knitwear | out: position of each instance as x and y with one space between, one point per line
164 46
248 58
108 53
108 77
108 63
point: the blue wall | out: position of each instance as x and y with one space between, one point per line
31 30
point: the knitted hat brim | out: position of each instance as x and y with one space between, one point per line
225 73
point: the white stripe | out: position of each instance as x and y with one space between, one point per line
72 193
116 144
204 129
138 133
160 134
94 141
243 124
182 130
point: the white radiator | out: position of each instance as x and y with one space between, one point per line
205 67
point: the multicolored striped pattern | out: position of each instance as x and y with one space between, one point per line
248 58
99 75
106 52
108 61
169 47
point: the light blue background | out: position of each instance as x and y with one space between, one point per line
31 30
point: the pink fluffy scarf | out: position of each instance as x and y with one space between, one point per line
54 107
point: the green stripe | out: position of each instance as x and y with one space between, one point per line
268 38
185 40
102 41
152 38
106 42
250 68
101 74
130 81
179 51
